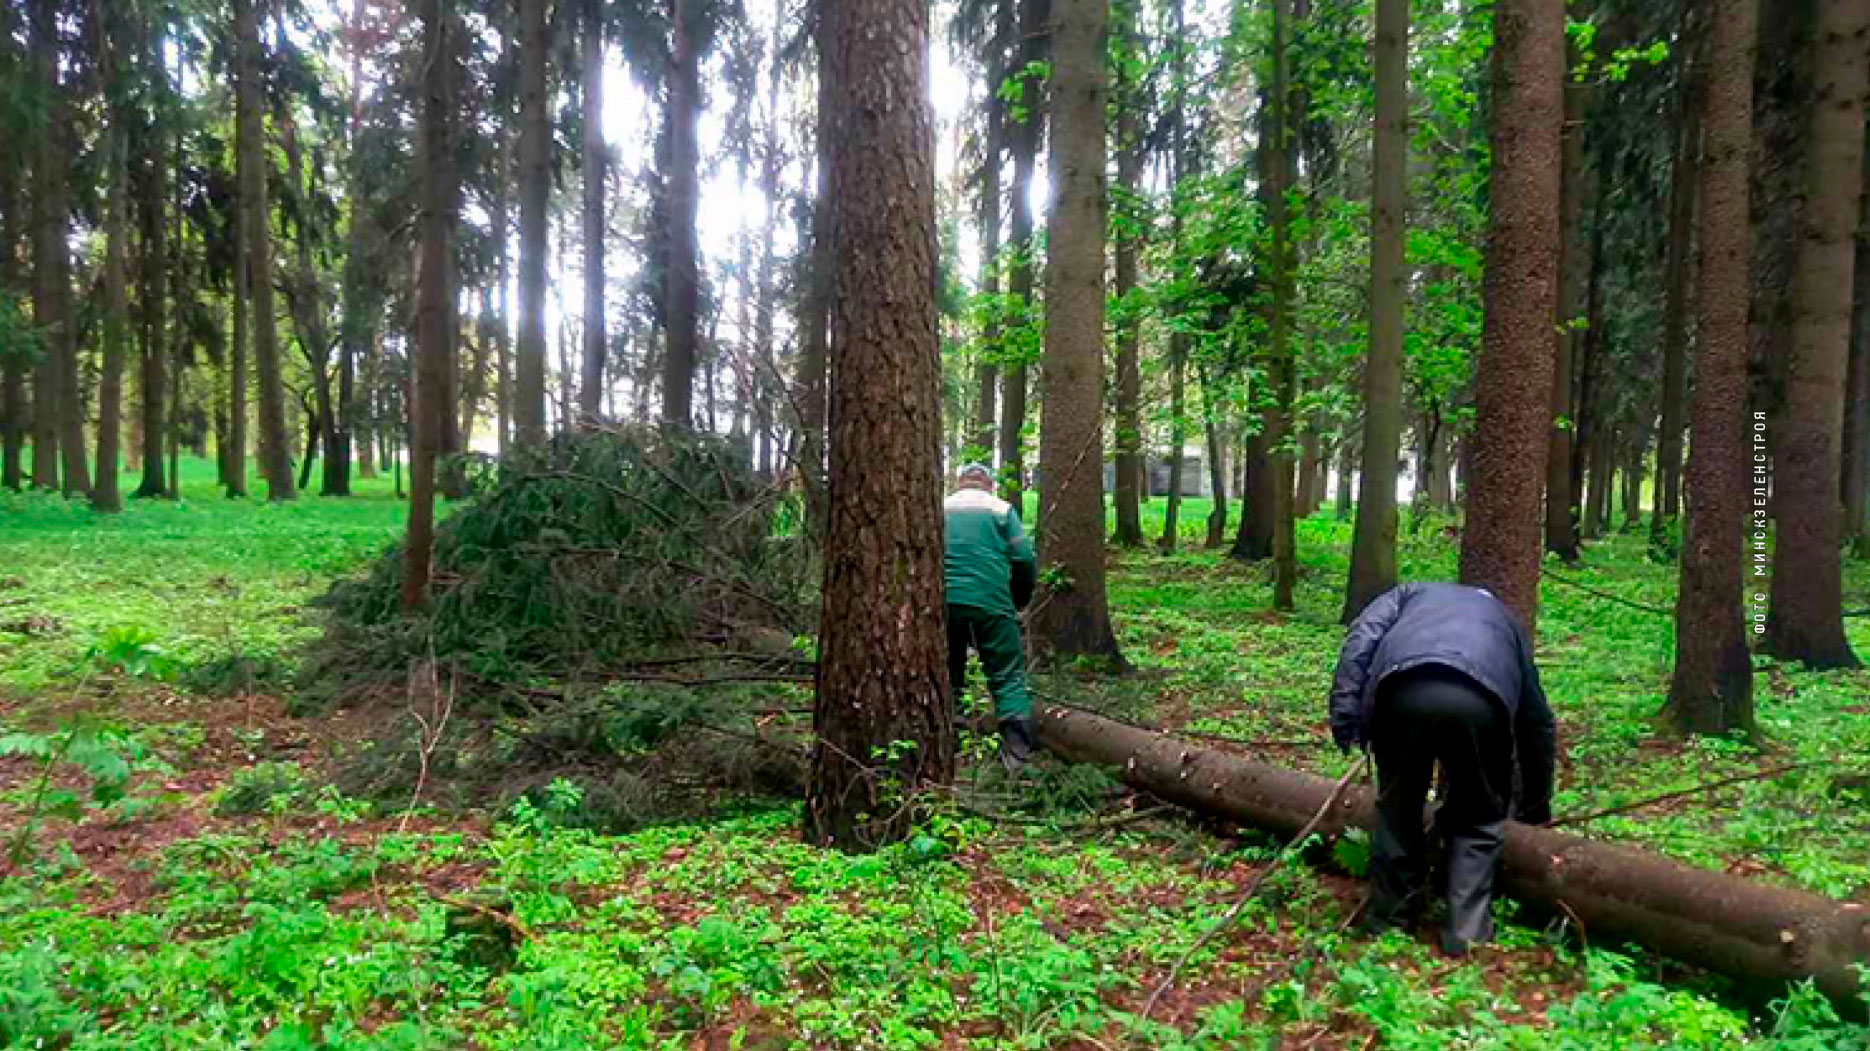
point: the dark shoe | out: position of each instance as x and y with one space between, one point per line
1455 948
1016 744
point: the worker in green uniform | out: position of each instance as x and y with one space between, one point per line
991 573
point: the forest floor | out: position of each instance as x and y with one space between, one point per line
188 877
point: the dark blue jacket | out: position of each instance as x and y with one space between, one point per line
1463 628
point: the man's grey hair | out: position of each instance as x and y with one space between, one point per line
976 472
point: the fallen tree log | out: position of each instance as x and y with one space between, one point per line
1728 924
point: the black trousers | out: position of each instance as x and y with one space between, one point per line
1422 716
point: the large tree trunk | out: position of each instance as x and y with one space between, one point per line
1730 924
275 445
1283 165
1253 541
1677 281
1561 526
1128 466
1805 622
1024 141
591 387
682 274
1073 618
1373 544
435 307
535 185
882 720
1500 543
106 494
1712 689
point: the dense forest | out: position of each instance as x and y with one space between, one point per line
1309 298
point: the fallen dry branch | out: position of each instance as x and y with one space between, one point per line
1729 924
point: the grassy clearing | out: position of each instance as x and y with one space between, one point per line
195 883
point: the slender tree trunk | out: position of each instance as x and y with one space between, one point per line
1253 541
434 295
275 447
1217 464
1284 370
1561 527
1600 456
1500 544
152 200
1373 544
987 369
591 389
106 494
1712 688
1677 280
683 273
1073 618
1178 440
882 720
1305 500
1633 458
56 401
1347 463
1806 622
1129 235
235 456
1024 140
12 366
535 175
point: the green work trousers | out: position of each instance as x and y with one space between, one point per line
995 636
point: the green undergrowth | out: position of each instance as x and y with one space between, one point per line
214 585
734 934
192 877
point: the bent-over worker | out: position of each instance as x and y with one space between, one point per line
991 573
1442 672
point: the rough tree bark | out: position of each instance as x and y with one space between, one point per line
1373 544
1805 622
682 272
1729 924
1500 544
1712 688
1072 618
435 307
591 381
882 720
535 186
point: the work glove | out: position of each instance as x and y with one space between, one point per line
1346 738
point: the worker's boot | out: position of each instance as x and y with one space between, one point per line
1017 742
1473 854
